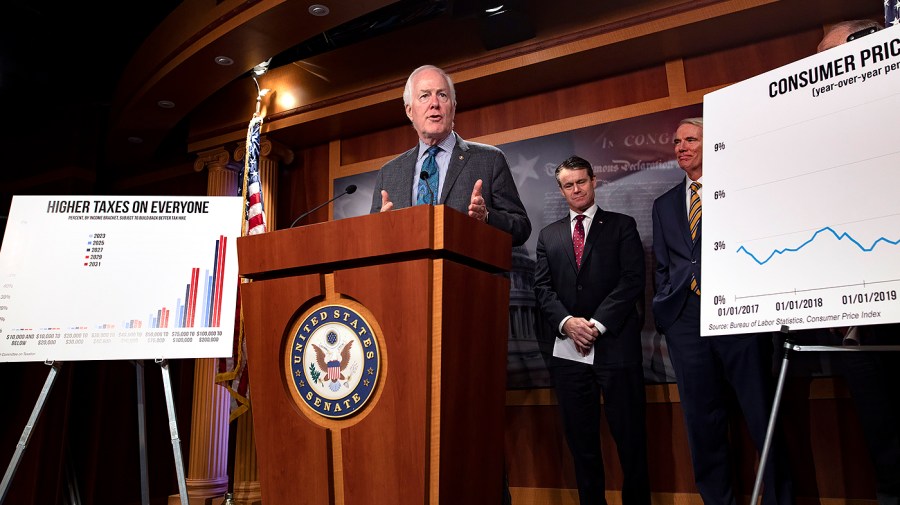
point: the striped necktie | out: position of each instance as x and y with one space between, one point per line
694 211
429 166
694 220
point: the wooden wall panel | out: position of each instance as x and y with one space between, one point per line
302 185
739 63
603 94
824 438
821 430
634 87
529 464
537 455
378 144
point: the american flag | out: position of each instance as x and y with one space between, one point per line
256 214
232 372
891 13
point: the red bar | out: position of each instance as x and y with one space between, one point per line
195 279
220 277
188 306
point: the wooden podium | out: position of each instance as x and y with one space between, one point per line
430 281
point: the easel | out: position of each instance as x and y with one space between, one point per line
789 346
142 434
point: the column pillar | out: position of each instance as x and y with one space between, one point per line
207 473
246 471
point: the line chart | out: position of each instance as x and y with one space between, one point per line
800 215
828 229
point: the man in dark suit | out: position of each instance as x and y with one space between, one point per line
470 177
706 366
588 280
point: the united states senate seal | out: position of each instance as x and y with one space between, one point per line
334 360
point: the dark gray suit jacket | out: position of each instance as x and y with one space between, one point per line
469 162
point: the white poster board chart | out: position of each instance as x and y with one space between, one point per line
801 210
116 277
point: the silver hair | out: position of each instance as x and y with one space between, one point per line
696 121
407 90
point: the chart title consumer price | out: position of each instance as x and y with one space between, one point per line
846 70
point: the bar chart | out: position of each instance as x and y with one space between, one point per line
138 279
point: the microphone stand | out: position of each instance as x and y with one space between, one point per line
349 190
425 176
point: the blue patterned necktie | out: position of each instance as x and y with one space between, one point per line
429 166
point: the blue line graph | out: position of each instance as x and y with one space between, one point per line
841 236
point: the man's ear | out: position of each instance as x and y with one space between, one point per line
409 112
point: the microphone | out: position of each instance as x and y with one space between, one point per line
349 190
424 176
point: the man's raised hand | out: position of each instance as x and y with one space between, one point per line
477 209
386 203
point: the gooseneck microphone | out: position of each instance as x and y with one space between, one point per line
425 176
349 190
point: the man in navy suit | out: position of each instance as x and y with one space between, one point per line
588 280
472 178
706 366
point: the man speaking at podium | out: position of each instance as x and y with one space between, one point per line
443 168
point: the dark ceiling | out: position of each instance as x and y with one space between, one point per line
59 66
61 62
58 54
77 79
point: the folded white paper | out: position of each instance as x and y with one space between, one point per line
565 348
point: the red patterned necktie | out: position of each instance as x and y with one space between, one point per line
578 239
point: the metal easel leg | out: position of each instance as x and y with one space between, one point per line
773 417
142 431
26 433
173 429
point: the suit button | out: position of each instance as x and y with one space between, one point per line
578 287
